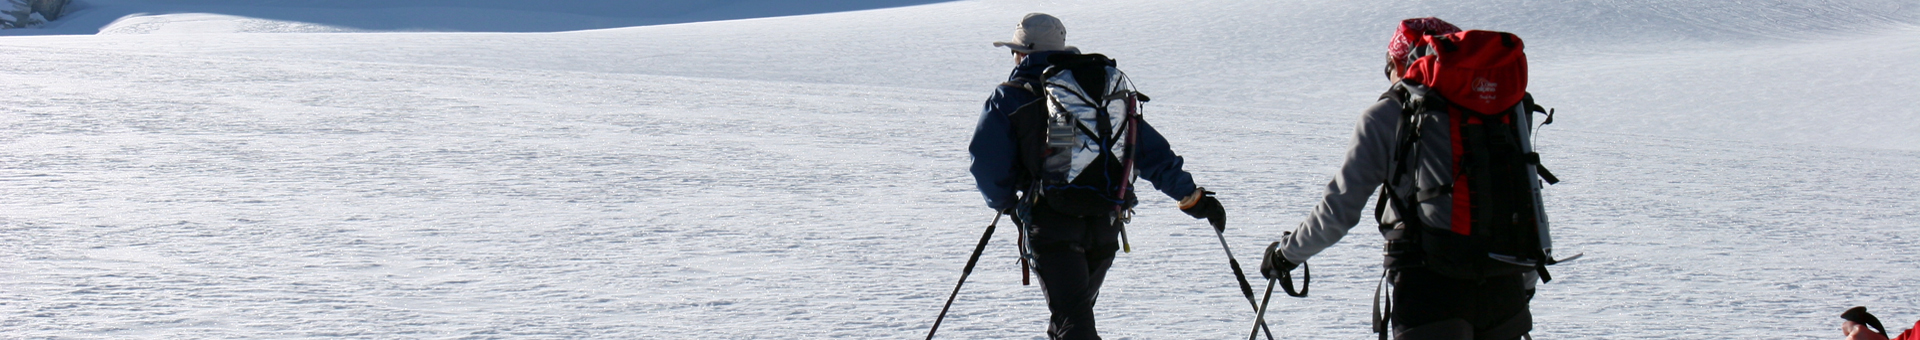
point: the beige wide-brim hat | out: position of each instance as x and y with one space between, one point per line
1037 32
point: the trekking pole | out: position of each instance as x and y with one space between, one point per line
1245 288
977 249
1286 282
1260 316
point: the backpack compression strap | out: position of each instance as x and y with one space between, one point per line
1534 157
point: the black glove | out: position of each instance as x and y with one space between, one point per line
1208 208
1276 266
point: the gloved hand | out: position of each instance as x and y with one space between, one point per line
1274 266
1203 205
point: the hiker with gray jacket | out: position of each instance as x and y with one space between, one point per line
1426 301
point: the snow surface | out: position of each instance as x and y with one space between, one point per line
1733 169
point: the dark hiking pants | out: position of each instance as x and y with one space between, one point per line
1427 306
1071 255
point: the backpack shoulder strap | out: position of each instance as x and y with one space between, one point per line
1405 136
1397 93
1029 84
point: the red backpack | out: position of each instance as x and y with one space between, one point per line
1466 146
1482 71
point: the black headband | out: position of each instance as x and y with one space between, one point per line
1860 315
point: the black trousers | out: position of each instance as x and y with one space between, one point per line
1071 254
1427 306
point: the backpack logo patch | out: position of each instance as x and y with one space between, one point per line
1486 89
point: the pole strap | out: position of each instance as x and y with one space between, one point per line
1381 315
1306 279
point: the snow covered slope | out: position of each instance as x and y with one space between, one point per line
1734 170
1825 73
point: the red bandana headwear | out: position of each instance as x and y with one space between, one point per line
1408 36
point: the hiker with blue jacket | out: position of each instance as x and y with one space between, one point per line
1071 236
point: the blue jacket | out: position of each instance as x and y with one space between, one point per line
994 156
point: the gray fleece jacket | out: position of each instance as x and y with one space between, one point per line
1368 160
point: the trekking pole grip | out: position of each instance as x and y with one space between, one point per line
1245 288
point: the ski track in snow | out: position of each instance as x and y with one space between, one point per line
195 187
